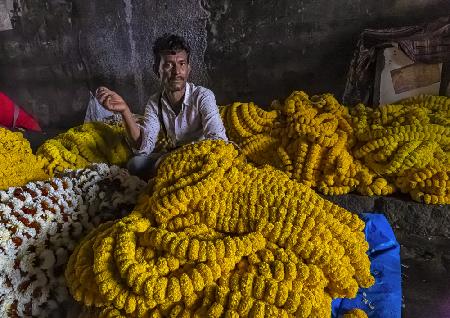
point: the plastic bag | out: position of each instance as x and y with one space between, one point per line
96 112
384 298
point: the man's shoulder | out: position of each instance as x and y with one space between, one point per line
154 97
199 92
152 101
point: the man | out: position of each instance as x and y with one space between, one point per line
184 112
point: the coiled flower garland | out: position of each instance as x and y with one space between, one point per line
217 237
409 143
308 138
316 141
18 165
41 222
355 313
81 146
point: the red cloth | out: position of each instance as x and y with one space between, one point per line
24 120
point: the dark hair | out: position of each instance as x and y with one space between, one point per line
168 43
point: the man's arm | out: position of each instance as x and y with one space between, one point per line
133 129
150 129
142 138
112 101
213 127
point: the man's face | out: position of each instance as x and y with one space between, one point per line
174 70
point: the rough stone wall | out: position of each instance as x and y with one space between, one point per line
65 48
40 66
117 37
404 215
262 50
244 50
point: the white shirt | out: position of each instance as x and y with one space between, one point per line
198 119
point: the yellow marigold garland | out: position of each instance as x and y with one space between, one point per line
316 141
408 142
217 237
309 138
355 313
83 145
18 165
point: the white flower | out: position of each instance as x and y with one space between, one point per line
92 192
5 210
27 295
21 309
5 302
52 228
86 201
10 248
103 168
4 235
17 204
28 198
35 309
4 196
32 186
27 262
14 276
21 228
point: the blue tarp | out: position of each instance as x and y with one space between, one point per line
384 298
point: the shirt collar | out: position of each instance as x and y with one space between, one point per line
187 95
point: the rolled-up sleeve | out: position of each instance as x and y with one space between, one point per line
213 127
149 129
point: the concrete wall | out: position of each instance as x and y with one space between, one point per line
244 50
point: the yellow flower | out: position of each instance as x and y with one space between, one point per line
291 249
18 165
355 313
80 146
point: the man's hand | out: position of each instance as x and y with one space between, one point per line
110 100
113 102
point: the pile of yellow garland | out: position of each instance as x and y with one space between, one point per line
355 313
316 141
308 138
219 237
18 165
408 142
83 145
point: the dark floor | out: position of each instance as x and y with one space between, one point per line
425 275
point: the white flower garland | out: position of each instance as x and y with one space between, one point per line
41 223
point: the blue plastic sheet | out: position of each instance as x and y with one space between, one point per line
384 298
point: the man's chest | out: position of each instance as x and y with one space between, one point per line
186 121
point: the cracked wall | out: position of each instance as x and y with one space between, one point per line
243 50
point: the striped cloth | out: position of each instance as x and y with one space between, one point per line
426 43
